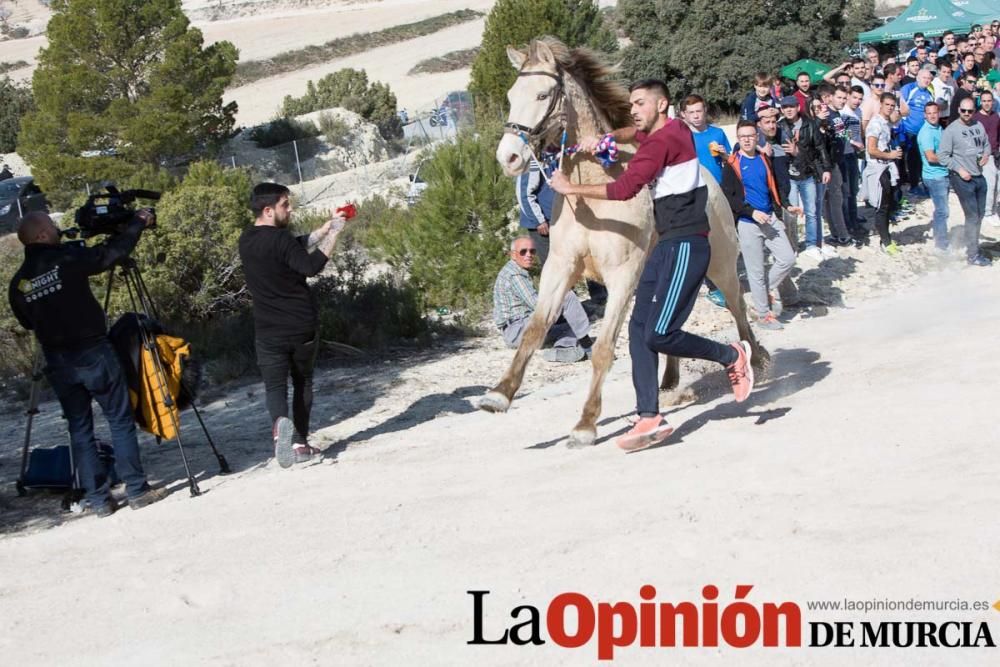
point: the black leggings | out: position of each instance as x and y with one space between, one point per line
886 206
278 356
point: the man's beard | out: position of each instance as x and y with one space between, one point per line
282 223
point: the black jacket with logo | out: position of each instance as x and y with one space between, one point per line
50 294
813 158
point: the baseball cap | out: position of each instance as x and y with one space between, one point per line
789 101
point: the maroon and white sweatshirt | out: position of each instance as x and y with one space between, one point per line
668 163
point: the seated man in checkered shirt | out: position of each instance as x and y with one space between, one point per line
514 299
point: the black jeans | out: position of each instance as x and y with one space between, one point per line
78 378
278 356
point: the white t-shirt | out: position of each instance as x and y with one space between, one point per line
879 128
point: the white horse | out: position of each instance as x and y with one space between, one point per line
559 89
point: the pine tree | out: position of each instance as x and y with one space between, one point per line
714 47
515 23
126 81
15 102
453 242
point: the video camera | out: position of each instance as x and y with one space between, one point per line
109 212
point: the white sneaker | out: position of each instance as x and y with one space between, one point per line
813 253
828 251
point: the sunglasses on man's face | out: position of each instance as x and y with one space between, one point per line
527 251
966 111
878 85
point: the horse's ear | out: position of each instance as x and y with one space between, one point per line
516 57
540 52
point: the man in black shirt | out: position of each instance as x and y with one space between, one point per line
50 295
286 319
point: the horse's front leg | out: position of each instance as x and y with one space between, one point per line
557 276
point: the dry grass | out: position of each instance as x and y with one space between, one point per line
449 62
289 61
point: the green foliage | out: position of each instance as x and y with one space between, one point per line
15 343
515 23
714 47
128 81
349 89
15 101
190 261
282 130
859 17
452 242
290 61
365 312
333 128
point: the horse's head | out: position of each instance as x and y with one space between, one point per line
535 98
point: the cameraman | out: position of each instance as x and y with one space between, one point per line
286 318
50 295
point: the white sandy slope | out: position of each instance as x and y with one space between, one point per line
259 101
865 468
276 27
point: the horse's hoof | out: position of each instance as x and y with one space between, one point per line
580 438
494 401
761 359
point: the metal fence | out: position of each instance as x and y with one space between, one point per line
354 165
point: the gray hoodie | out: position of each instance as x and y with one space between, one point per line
962 146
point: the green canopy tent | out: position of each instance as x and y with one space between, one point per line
986 8
931 17
814 69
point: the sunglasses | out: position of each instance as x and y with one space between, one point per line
966 111
527 251
878 85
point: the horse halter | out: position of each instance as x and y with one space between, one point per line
557 94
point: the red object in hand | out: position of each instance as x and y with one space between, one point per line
348 210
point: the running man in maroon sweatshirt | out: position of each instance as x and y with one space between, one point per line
667 163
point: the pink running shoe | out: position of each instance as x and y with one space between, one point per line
647 432
741 372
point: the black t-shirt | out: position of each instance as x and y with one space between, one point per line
50 294
276 265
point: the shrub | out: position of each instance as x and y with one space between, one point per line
453 241
365 312
281 131
190 262
16 344
349 89
335 129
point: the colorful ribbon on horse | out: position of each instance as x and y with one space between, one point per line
606 153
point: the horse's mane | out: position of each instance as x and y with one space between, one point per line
607 93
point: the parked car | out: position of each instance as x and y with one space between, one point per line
18 196
457 105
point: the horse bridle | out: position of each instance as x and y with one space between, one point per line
534 132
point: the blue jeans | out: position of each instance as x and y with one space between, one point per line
805 189
972 197
78 377
938 187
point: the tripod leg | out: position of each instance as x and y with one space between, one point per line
223 464
33 400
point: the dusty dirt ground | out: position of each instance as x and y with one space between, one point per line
862 467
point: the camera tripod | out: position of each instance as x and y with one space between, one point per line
142 305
